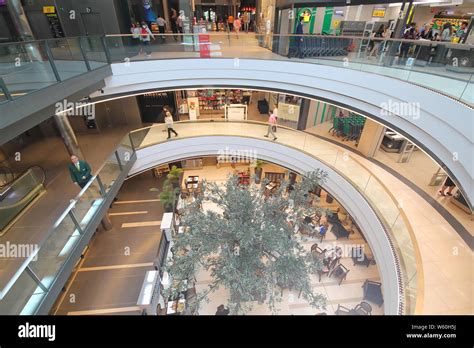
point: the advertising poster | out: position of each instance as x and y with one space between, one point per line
193 108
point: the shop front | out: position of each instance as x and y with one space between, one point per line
237 104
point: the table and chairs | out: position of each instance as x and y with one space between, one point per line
331 262
362 308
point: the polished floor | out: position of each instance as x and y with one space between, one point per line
109 278
50 153
419 170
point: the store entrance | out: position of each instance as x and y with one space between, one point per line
151 106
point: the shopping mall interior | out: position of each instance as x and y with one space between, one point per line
340 135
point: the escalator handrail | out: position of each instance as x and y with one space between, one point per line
41 180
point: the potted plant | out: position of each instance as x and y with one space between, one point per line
174 176
258 171
167 195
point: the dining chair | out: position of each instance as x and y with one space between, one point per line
340 272
363 308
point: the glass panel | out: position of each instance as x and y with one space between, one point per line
468 93
25 67
381 199
17 196
23 297
55 250
138 137
67 57
111 169
94 51
87 204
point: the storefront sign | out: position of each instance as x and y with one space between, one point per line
379 12
193 107
49 9
306 14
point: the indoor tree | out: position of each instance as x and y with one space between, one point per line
249 247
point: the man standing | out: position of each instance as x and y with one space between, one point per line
299 39
272 121
161 27
246 20
80 171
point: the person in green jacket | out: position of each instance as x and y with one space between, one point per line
80 171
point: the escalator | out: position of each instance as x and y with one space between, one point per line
18 195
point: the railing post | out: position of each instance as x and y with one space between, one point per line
51 61
88 66
131 141
118 160
5 90
35 278
101 186
74 220
106 49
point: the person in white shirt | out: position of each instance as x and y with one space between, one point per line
136 30
169 123
146 36
161 27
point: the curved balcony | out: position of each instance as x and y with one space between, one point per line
302 152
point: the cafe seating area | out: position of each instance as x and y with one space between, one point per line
345 271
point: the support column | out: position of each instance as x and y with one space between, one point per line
22 27
166 14
371 138
303 117
106 223
68 135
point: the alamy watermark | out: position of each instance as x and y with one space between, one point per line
406 109
75 109
237 156
12 251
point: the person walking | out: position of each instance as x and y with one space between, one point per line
272 122
447 32
146 36
169 123
230 23
174 23
136 38
161 27
80 171
448 184
237 25
299 39
377 44
246 21
180 22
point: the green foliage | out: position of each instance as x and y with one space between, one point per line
168 195
249 248
259 164
174 174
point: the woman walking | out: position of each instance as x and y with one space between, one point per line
169 123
